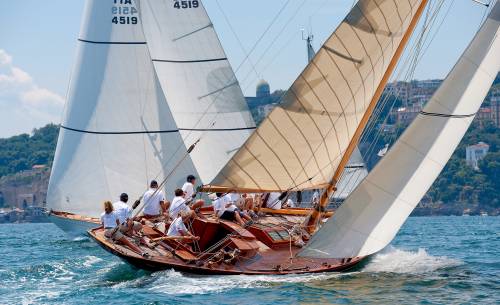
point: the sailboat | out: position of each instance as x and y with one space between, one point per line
136 104
306 142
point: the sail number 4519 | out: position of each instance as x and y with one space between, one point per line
186 4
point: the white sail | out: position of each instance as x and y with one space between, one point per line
302 141
117 132
200 86
372 215
355 171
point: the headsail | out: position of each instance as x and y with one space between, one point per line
201 89
117 132
372 215
302 141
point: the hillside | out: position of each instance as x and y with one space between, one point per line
19 153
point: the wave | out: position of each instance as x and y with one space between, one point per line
394 260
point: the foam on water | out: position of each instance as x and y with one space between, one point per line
175 283
395 260
91 260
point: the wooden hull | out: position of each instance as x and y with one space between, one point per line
257 253
73 225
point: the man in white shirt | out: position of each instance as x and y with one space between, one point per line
178 204
154 201
122 210
224 209
178 228
124 214
189 193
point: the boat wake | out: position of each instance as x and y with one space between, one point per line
175 283
393 260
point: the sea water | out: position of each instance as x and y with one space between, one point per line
433 260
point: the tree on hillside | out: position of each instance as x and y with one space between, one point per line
21 152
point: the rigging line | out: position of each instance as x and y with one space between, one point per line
416 50
270 62
236 36
425 32
264 33
277 36
406 62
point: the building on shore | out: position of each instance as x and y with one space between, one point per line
264 101
475 153
24 189
493 104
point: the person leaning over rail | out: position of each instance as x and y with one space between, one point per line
155 204
190 195
110 223
124 214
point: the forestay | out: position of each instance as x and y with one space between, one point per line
198 81
372 215
117 132
300 144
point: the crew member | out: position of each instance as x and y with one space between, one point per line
178 227
189 193
224 209
178 204
110 223
154 202
124 214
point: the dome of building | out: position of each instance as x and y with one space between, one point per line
263 89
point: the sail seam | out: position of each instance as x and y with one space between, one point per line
190 61
113 42
154 131
445 115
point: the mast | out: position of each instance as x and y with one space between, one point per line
331 188
310 50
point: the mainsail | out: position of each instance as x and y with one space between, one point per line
355 171
372 215
118 130
301 143
201 89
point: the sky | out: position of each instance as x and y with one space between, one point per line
38 46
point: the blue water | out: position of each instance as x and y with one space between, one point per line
438 260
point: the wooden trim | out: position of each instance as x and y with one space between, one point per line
225 189
293 212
